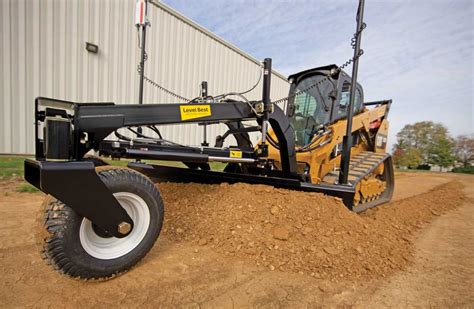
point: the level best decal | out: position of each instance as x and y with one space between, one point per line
194 111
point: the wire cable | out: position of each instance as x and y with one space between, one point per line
241 94
256 84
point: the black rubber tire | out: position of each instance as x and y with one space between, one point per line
62 246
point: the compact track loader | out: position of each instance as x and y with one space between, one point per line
102 220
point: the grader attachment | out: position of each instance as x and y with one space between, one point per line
102 220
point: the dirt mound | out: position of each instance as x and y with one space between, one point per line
301 232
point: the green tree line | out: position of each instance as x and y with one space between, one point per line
427 143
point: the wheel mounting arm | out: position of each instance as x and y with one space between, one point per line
77 185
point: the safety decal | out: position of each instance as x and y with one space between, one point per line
235 154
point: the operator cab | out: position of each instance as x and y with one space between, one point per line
320 103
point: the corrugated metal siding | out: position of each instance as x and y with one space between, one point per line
43 54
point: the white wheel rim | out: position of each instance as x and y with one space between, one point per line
112 247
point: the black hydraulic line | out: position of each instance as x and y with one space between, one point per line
160 140
240 94
122 137
240 130
314 147
347 141
139 134
254 86
273 142
155 129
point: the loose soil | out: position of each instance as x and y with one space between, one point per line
241 245
306 233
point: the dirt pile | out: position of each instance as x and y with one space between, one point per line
298 231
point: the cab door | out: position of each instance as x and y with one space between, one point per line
312 108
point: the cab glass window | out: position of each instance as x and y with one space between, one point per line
312 108
341 108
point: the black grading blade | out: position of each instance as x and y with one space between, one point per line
176 174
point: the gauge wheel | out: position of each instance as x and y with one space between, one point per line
77 248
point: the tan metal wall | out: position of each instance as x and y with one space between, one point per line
43 53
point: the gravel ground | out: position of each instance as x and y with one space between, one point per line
246 246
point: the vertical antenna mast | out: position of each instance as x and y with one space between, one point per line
141 21
347 141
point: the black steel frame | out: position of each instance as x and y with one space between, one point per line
91 123
76 183
95 121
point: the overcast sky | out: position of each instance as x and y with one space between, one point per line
418 53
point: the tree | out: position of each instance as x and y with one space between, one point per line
464 149
424 142
441 152
410 157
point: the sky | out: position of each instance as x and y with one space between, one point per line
417 53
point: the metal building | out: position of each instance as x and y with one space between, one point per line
43 53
